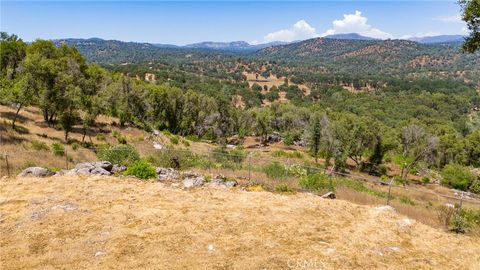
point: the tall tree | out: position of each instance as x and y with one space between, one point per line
471 15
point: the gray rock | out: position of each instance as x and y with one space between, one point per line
84 171
36 171
193 181
221 180
85 165
166 173
106 165
99 171
118 168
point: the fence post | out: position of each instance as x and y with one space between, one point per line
461 201
66 157
210 161
389 191
286 171
8 165
249 167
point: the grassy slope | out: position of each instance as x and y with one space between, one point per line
64 221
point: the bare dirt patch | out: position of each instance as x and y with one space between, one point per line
107 222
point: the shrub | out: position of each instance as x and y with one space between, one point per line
407 200
193 138
185 143
297 171
75 146
281 153
317 182
101 137
425 180
459 224
283 188
228 159
457 176
174 140
382 169
170 158
275 170
121 139
475 187
58 149
37 145
141 169
360 187
122 154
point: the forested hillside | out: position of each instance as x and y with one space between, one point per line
429 122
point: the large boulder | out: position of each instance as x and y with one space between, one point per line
99 171
106 165
36 172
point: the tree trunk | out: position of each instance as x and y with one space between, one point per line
16 115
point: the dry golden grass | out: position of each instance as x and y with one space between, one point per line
63 222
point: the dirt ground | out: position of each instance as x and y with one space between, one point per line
123 223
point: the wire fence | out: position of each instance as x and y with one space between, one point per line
249 168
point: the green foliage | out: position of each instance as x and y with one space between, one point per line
58 149
141 169
178 159
38 145
361 187
457 176
284 188
471 15
425 180
121 154
101 137
317 182
174 140
75 146
282 153
275 170
406 200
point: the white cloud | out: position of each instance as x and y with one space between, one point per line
300 30
355 23
449 19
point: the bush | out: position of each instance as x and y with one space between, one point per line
425 180
317 182
122 154
457 176
58 149
406 200
174 140
141 169
281 153
184 159
275 170
37 145
283 188
101 137
475 187
228 159
75 146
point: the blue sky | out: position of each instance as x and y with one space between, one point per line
188 22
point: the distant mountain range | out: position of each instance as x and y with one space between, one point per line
350 36
233 46
438 39
247 47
